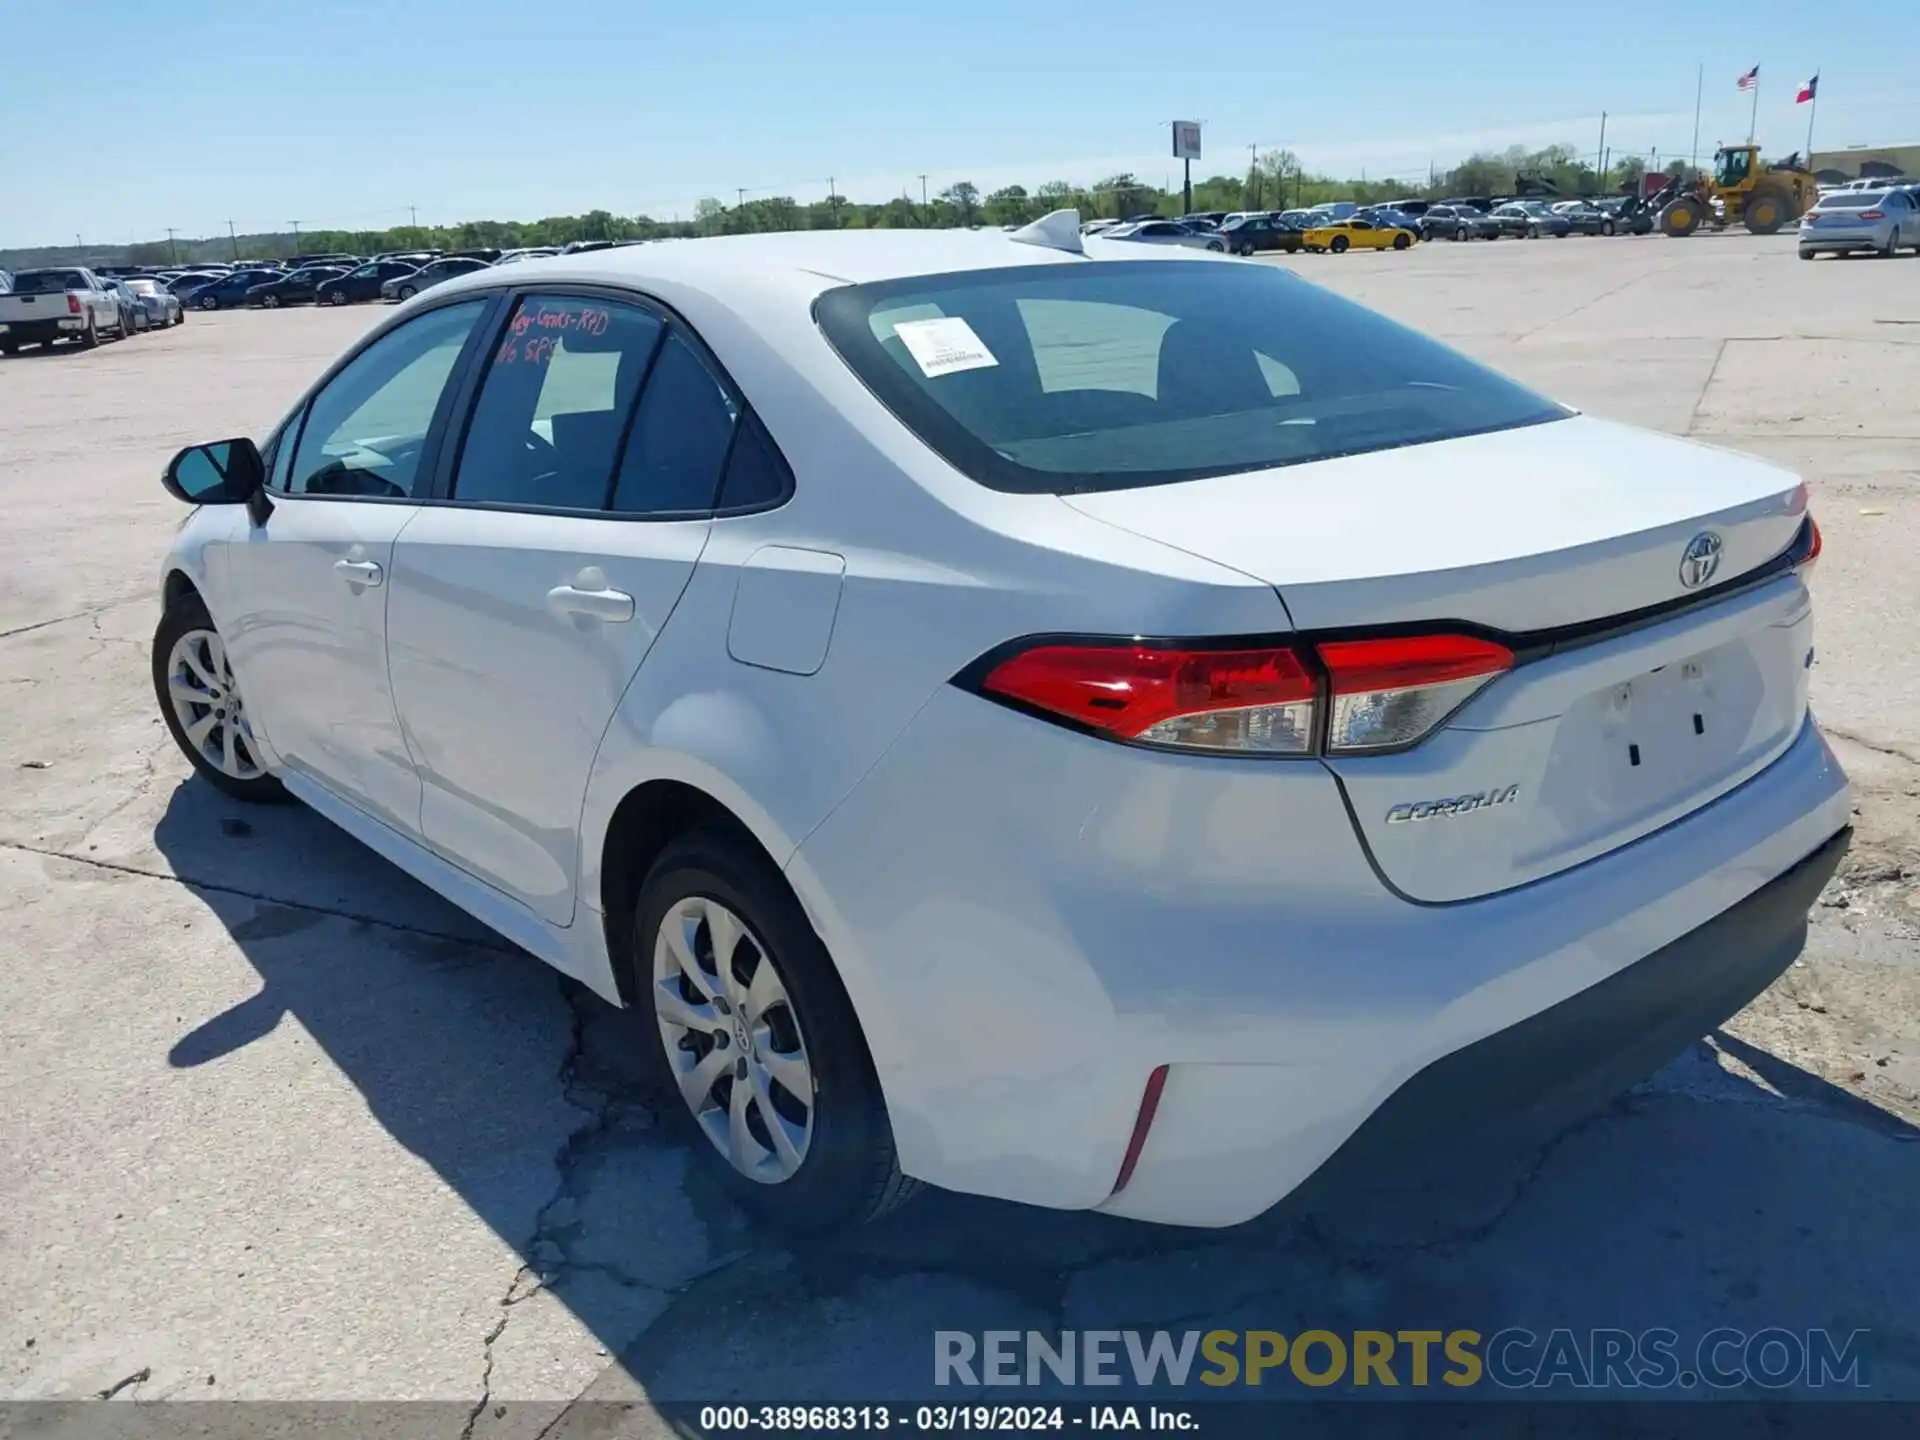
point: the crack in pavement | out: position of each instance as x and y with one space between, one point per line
1878 748
86 614
219 888
139 1377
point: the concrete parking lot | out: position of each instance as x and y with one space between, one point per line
278 1123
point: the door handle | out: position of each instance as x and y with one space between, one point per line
358 572
613 605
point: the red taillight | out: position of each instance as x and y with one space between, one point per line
1873 214
1388 693
1814 546
73 304
1379 694
1250 701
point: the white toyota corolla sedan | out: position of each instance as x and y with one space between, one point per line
1102 726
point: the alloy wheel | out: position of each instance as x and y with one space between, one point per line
732 1039
206 701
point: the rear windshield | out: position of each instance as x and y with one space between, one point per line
48 282
1070 378
1852 200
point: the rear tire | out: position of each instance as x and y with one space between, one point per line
407 292
186 627
1338 245
1402 240
90 340
1463 233
846 1171
207 302
1890 249
272 302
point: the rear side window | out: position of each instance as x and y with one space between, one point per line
48 282
1070 378
756 475
680 437
554 404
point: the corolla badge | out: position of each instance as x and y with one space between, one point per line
1700 560
1453 805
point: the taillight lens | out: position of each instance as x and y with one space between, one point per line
73 304
1390 692
1255 702
1376 694
1873 214
1814 546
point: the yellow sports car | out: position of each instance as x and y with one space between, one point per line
1355 234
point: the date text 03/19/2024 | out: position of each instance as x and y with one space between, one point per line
940 1419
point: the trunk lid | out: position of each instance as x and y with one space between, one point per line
1582 747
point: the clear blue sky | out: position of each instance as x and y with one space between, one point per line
346 111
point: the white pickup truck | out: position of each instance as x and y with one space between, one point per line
62 302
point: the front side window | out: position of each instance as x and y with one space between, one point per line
366 430
553 406
1065 379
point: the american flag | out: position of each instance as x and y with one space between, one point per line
1750 79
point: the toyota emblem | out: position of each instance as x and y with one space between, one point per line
1700 560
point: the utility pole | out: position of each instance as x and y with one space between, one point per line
233 240
413 212
1699 88
740 194
923 192
1600 153
296 235
173 251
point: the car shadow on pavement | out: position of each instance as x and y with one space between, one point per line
1699 1199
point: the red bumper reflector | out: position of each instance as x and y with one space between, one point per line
1149 1103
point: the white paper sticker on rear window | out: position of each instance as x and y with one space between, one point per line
940 347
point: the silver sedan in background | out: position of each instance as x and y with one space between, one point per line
405 287
1877 220
161 304
1166 232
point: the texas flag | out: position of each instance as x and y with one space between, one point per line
1806 91
1750 79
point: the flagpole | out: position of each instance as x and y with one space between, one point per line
1753 116
1813 108
1699 88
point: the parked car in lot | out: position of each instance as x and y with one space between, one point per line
298 287
228 291
1339 236
533 252
1246 234
405 287
1880 221
1458 222
61 302
162 306
133 315
1165 232
1585 217
363 283
1529 220
1429 813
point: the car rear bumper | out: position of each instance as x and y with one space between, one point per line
1031 922
1846 237
61 327
1526 1083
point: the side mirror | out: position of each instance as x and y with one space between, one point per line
227 472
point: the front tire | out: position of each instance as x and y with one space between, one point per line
742 1011
272 302
1338 245
200 701
208 302
407 292
1463 234
1402 240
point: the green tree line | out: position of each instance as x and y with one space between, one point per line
1274 180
